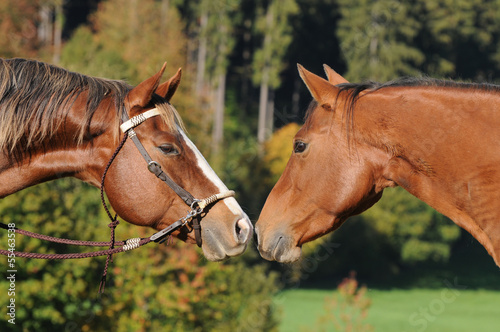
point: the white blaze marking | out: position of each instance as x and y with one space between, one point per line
210 174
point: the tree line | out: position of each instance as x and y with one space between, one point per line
245 51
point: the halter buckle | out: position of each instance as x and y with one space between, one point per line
152 165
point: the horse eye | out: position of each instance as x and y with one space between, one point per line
299 146
168 149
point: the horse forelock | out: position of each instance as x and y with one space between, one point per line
168 114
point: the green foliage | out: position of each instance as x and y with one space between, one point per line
83 54
52 293
249 168
180 291
376 39
106 48
385 39
412 228
132 48
398 233
241 168
223 16
458 37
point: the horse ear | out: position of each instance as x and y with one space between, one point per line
141 95
333 76
321 90
167 89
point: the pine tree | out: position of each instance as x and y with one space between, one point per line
459 38
214 36
223 16
377 39
274 26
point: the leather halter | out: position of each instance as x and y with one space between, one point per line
197 206
127 127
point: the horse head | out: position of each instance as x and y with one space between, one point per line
140 198
325 181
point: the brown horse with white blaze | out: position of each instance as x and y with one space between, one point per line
55 123
439 140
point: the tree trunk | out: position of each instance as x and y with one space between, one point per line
45 27
202 55
58 29
165 5
262 135
218 129
247 68
263 101
269 113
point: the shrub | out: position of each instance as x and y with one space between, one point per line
346 309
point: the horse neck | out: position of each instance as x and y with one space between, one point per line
442 146
61 155
422 124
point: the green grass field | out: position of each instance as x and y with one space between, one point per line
400 310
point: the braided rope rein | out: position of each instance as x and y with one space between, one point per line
203 203
126 245
138 243
62 240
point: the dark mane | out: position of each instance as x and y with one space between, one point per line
354 90
35 98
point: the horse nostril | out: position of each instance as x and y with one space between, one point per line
242 229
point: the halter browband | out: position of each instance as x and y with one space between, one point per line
138 119
197 205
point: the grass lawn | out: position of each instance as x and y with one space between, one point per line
400 310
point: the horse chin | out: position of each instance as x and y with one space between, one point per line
214 254
283 250
217 253
289 256
217 247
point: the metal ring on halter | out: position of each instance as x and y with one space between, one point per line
152 164
196 210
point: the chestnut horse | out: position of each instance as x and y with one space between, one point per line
439 140
55 123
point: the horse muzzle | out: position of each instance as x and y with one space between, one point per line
278 247
219 244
